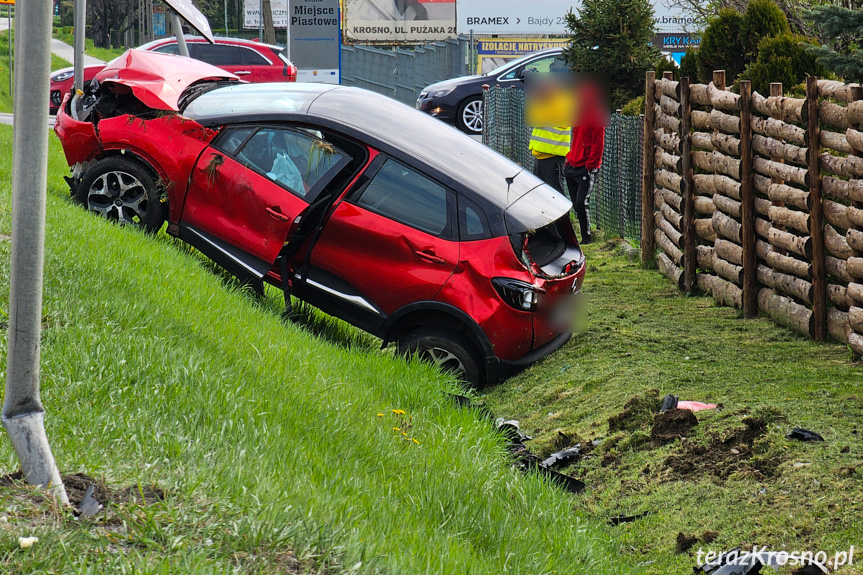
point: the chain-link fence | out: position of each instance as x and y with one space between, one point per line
615 200
402 72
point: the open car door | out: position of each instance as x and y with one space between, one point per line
248 190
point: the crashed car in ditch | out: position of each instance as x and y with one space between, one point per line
348 200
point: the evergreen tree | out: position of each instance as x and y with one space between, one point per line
689 66
841 36
721 47
763 18
613 38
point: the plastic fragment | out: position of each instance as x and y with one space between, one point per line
801 434
26 542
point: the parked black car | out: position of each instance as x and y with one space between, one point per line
459 101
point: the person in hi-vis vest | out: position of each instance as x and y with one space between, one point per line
549 146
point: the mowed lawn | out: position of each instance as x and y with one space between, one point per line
234 442
734 479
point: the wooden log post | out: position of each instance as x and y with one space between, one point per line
688 223
819 273
747 200
855 92
648 245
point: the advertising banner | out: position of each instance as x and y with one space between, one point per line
315 40
548 17
193 16
252 13
398 21
494 52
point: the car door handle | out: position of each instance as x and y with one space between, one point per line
429 257
277 215
242 73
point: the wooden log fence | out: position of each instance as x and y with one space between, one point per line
757 199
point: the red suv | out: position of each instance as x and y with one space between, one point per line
252 61
346 199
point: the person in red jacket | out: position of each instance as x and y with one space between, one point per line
582 165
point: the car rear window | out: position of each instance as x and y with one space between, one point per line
218 54
408 197
253 58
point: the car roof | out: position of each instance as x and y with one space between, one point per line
380 121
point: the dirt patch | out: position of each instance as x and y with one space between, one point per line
76 484
637 412
686 542
671 425
722 457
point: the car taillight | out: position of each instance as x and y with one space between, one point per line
518 294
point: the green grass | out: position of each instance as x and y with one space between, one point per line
644 335
106 54
266 439
5 92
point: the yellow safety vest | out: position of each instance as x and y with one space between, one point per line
554 141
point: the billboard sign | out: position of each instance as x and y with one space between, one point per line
495 52
676 41
549 17
252 13
398 21
315 40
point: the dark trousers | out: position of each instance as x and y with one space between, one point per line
550 171
579 181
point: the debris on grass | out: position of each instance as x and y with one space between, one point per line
801 434
568 455
618 519
26 542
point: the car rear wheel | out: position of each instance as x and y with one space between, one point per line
124 191
451 351
470 115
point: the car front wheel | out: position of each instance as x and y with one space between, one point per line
451 351
470 115
124 191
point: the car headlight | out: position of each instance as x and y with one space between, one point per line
62 76
440 92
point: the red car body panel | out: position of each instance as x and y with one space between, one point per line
470 288
237 204
400 264
157 80
80 142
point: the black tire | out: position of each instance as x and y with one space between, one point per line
451 351
469 118
123 190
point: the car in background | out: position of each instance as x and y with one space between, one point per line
420 236
253 61
459 101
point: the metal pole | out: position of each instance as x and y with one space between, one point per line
23 414
11 63
472 56
226 18
80 15
261 21
177 26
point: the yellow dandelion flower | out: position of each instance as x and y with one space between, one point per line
396 429
399 411
403 433
380 415
415 441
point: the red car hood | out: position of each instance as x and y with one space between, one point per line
157 80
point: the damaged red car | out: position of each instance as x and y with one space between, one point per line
348 200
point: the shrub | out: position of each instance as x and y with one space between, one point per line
634 107
782 59
763 18
667 65
689 65
721 47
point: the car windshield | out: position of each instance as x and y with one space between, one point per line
245 99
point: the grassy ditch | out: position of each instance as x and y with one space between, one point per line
231 441
732 478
